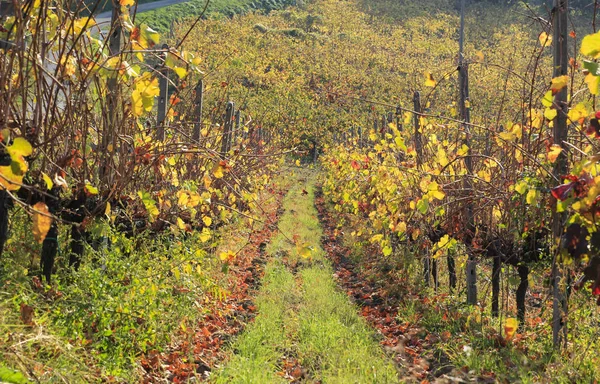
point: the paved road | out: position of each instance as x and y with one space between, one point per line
105 16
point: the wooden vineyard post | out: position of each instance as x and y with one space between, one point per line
399 118
559 303
107 141
465 115
227 128
360 135
163 85
417 121
198 111
375 124
419 151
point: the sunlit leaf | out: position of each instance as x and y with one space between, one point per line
553 153
532 196
550 113
90 189
48 181
521 187
205 235
42 220
559 83
387 250
227 255
20 147
510 327
590 45
429 81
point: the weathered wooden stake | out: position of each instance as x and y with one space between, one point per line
465 114
163 98
227 128
198 111
360 135
112 103
419 160
417 121
561 57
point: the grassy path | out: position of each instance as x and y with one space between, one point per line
306 329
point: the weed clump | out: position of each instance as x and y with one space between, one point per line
295 33
260 28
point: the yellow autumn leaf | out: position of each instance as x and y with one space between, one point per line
553 153
531 197
227 255
387 250
91 189
304 250
510 327
207 221
181 72
559 83
545 39
548 99
48 181
376 238
137 103
401 228
550 113
578 113
507 136
593 83
439 195
182 198
181 224
42 220
429 80
442 157
218 171
463 150
81 23
590 45
521 187
205 235
19 147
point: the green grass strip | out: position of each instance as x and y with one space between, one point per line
259 349
336 344
306 315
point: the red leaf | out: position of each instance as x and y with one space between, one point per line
561 192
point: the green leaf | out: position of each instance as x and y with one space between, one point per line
387 251
149 34
91 189
423 205
592 67
532 197
521 187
